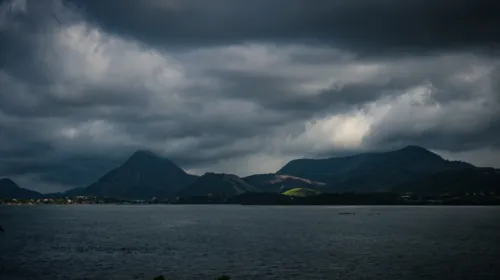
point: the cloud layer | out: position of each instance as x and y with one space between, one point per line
236 88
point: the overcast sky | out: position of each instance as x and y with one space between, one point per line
241 86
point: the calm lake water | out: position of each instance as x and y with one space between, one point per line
249 242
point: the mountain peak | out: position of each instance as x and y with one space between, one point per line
144 153
148 160
214 174
8 183
414 148
417 150
143 157
144 175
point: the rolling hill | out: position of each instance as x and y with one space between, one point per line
473 180
372 172
278 183
217 184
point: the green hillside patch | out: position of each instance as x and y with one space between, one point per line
302 192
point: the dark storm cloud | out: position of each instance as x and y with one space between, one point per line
457 119
362 26
270 91
72 172
276 89
239 86
485 135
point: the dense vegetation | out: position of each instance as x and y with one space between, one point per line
302 192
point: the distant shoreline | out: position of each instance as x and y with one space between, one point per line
261 198
233 204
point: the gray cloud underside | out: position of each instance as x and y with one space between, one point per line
229 86
362 26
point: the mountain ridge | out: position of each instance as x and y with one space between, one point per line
217 184
9 189
481 179
372 172
277 183
145 175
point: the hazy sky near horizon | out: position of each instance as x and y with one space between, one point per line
241 86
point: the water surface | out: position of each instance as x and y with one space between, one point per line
249 242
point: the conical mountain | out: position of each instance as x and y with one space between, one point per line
9 189
142 176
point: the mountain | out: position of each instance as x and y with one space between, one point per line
144 175
9 189
372 172
472 180
278 183
68 193
411 169
217 184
